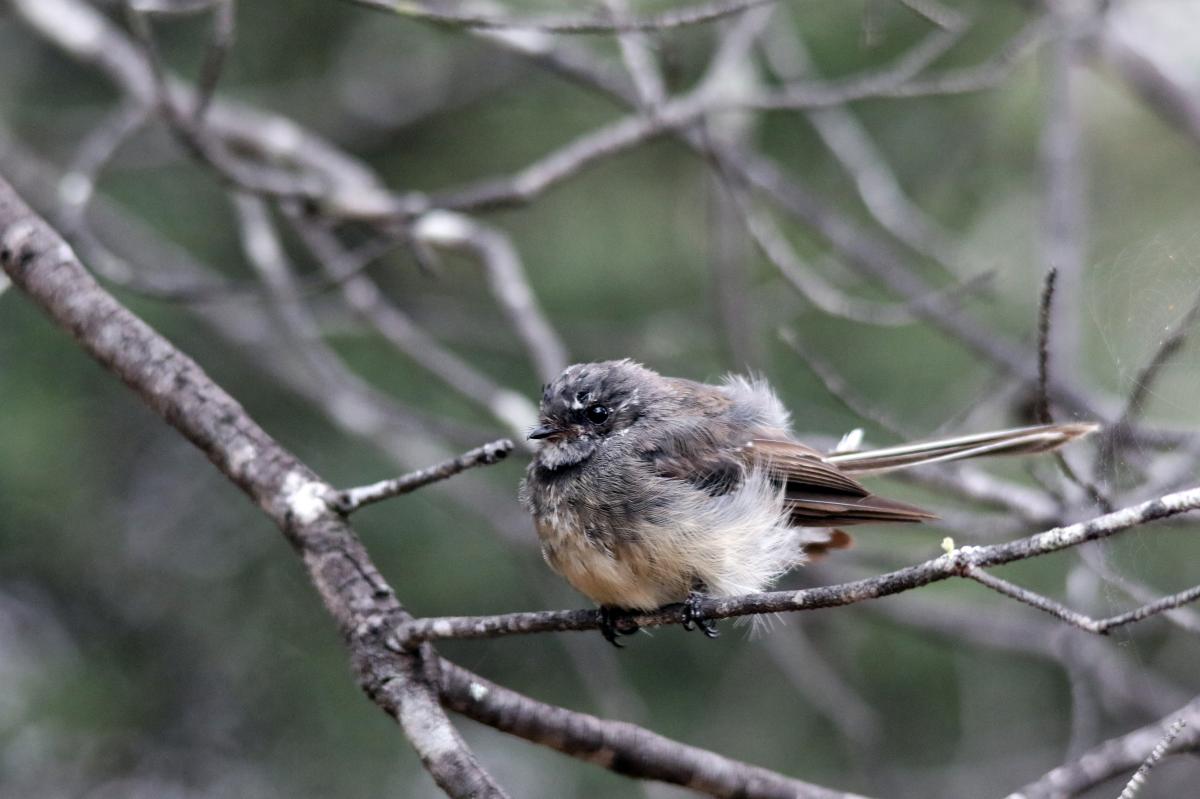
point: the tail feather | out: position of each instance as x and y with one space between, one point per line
1014 441
827 510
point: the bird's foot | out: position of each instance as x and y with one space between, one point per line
692 615
616 621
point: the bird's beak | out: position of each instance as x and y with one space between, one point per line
544 431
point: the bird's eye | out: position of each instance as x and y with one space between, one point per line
596 414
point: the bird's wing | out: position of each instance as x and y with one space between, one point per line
816 493
819 494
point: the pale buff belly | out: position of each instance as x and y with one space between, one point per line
625 575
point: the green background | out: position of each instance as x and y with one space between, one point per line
159 638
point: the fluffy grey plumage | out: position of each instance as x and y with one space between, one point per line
646 488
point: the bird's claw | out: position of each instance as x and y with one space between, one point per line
615 621
694 617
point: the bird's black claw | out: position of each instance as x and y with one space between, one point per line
615 621
693 616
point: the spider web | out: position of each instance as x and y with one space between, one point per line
1134 303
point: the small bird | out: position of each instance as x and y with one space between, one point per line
649 490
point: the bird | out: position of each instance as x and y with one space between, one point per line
647 491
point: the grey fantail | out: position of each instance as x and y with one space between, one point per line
648 490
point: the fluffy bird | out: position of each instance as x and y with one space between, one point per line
649 490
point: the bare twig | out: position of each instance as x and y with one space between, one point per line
1115 756
938 14
507 279
903 78
1122 685
220 41
673 116
1042 397
122 246
807 281
565 162
1184 618
822 94
187 125
1143 383
808 670
675 18
638 56
1118 434
971 484
1134 786
878 261
216 48
1175 103
849 141
1076 619
1063 232
350 398
94 153
349 500
839 388
986 75
958 563
1041 410
364 297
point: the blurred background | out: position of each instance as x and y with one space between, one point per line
158 637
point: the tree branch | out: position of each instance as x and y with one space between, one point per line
362 604
1115 756
351 499
667 20
957 563
624 748
1134 786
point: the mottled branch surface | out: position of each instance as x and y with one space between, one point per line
962 562
360 601
621 747
351 499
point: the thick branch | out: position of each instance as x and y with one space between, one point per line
623 748
40 263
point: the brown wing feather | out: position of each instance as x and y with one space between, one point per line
819 494
803 466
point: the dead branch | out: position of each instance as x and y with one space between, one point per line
351 499
361 603
1114 757
962 562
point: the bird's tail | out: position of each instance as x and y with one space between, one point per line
1013 441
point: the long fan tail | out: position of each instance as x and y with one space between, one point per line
1014 441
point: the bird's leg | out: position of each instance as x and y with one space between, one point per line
693 615
616 621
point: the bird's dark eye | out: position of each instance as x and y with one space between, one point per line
596 414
